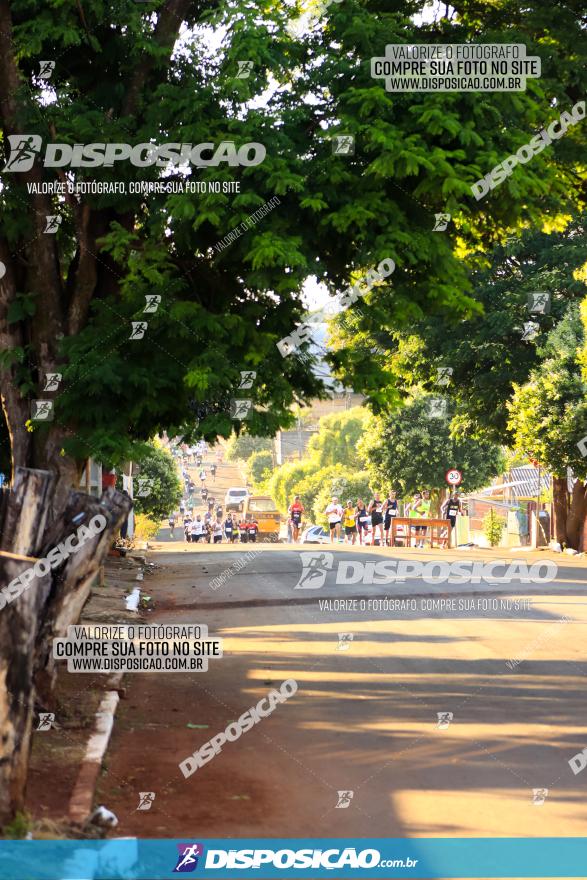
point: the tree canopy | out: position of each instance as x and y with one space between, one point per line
408 451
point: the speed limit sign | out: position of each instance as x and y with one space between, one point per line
454 477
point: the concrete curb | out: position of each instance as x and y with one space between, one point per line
82 798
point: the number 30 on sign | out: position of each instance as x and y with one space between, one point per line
454 477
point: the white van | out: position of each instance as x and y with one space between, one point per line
234 499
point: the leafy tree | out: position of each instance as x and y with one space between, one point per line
159 472
486 352
260 467
336 442
548 417
310 485
346 485
282 482
243 446
408 451
67 300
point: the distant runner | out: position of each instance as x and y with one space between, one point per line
376 511
172 521
229 528
296 511
350 524
362 519
390 510
334 514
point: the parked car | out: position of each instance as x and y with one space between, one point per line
315 535
235 498
263 510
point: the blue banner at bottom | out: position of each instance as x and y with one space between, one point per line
272 858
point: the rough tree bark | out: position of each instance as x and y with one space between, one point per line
51 602
577 514
560 506
63 291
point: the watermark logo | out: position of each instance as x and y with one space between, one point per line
187 860
144 487
315 567
441 222
539 303
247 379
582 446
344 641
24 148
436 408
536 145
443 375
46 69
139 329
152 302
578 762
52 381
2 269
42 411
344 800
530 331
539 795
235 729
245 69
348 297
317 564
55 557
455 67
46 720
240 409
146 799
444 719
343 145
52 223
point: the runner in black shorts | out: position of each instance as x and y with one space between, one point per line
390 511
362 519
349 522
376 511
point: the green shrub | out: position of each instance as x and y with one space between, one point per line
493 527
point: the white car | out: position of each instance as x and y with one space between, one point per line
234 498
315 535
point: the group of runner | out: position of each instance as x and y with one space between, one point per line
211 528
374 518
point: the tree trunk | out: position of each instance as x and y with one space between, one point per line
51 602
17 631
71 588
577 514
19 621
560 506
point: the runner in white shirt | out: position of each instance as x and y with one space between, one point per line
334 514
197 530
217 532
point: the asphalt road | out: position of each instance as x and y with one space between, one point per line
365 715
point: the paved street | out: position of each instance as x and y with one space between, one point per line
364 718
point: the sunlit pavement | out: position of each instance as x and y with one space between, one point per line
365 717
